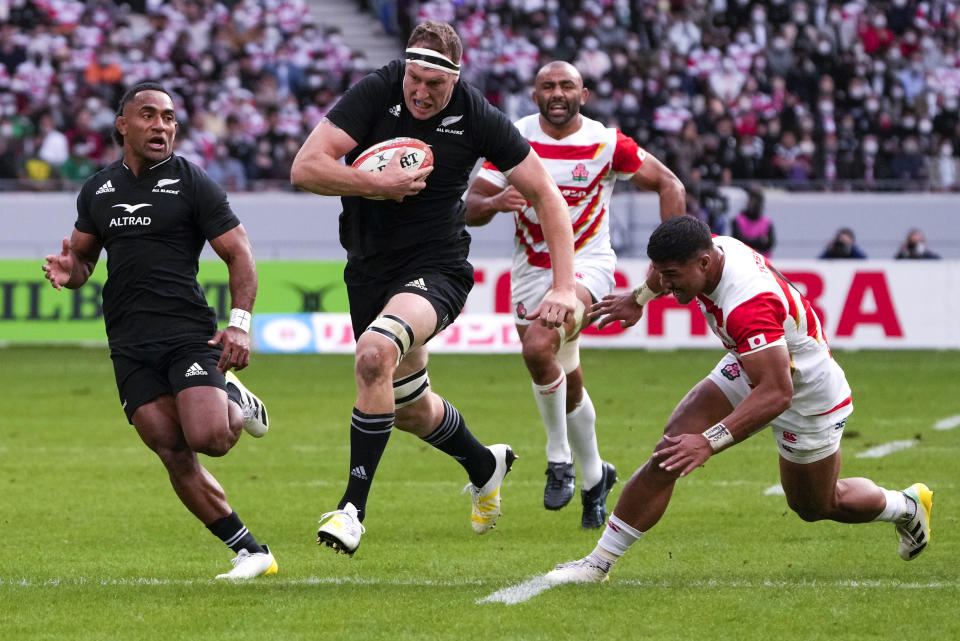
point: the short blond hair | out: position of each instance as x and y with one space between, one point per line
438 36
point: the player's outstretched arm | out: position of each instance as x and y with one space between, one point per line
532 180
771 393
233 247
317 168
73 265
485 200
625 308
653 175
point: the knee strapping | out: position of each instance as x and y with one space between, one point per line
396 329
569 355
409 389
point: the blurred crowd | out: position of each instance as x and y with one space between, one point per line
801 94
250 79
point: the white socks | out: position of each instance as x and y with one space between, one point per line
616 539
898 508
582 432
552 402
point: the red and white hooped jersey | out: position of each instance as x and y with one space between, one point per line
753 308
585 165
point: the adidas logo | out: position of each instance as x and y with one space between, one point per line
359 473
196 370
418 283
105 188
394 111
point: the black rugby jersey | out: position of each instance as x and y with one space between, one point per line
384 237
153 229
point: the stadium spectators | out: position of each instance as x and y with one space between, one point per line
843 245
820 94
752 226
252 77
915 246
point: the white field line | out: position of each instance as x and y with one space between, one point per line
947 423
774 490
887 448
265 581
520 592
530 588
510 595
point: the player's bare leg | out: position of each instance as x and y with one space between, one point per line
159 426
814 491
647 494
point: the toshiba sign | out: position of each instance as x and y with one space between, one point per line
862 304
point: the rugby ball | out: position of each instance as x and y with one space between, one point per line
416 155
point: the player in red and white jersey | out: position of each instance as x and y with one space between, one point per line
585 159
778 371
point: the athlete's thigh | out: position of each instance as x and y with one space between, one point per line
202 410
703 406
810 483
417 312
158 424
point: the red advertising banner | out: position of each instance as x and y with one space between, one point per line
862 305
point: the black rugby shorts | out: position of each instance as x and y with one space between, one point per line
145 372
446 289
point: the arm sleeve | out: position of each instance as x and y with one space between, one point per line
492 175
361 105
757 323
500 141
84 221
211 207
628 156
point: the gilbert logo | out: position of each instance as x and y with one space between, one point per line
163 183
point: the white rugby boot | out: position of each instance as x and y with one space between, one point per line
254 411
585 570
341 530
486 499
915 533
248 566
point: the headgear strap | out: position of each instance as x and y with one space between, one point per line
432 60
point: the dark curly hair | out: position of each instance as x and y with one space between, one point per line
679 240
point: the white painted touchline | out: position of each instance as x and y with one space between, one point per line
947 423
532 587
774 490
887 448
519 593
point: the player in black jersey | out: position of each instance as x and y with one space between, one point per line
152 212
407 273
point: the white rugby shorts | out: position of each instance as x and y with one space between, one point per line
528 284
800 439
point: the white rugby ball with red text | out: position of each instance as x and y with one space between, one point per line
416 155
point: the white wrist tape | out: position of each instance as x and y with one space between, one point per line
719 437
240 318
643 295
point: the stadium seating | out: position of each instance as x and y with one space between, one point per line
806 95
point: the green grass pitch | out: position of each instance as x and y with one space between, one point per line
96 546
